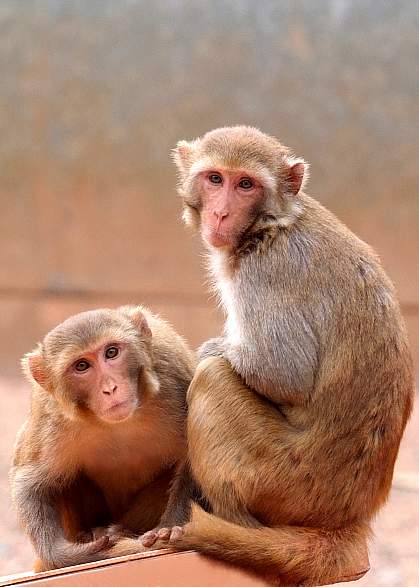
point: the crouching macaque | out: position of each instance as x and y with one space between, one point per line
104 434
296 413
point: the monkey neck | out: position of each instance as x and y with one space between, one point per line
223 263
259 270
256 240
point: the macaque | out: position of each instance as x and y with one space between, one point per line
94 462
296 412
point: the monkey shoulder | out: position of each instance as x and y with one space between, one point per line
20 455
44 425
324 268
165 339
38 462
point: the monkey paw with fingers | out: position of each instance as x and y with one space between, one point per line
163 534
67 553
214 347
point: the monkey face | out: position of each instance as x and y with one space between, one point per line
230 201
104 381
96 364
237 181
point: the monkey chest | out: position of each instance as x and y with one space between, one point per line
121 468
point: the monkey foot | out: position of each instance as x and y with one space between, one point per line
356 569
164 534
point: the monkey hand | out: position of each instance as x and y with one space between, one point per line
214 347
114 532
163 534
67 553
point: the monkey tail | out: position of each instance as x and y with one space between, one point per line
126 546
306 556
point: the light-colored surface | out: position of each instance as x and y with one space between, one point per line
154 569
150 570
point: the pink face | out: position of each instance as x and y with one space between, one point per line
105 381
229 201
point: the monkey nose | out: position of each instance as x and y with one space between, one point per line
220 217
110 390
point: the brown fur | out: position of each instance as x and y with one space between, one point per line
295 421
72 471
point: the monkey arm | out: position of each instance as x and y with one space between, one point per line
279 358
148 504
286 383
183 490
39 511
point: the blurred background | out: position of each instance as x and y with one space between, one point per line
94 95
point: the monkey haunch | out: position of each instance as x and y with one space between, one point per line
105 431
303 457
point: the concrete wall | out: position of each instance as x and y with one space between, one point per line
94 94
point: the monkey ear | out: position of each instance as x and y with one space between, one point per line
296 175
136 315
33 365
184 155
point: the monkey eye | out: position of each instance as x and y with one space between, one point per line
215 178
111 352
246 183
82 365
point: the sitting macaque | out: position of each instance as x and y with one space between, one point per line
297 411
95 459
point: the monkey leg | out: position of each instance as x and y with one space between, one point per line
291 555
240 453
211 425
237 441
